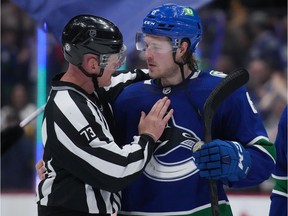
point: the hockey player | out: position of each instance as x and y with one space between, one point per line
176 180
279 196
86 169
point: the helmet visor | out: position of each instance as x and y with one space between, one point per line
157 44
115 60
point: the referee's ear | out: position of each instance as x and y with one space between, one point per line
91 63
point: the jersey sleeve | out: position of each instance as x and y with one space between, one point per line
280 172
238 120
121 79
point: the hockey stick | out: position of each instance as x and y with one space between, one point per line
32 116
228 85
11 135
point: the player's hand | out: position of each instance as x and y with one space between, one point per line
41 170
155 121
222 160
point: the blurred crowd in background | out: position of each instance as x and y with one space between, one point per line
249 34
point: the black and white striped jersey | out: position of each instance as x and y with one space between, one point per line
86 168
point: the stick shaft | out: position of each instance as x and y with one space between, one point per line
32 116
233 81
214 198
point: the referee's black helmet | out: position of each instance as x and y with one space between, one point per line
85 34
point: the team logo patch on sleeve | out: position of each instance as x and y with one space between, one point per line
218 74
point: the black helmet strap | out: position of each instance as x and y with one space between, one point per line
93 76
84 71
184 81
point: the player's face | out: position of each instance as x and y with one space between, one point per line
159 57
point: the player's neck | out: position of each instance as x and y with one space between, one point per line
176 78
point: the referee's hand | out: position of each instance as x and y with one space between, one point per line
155 121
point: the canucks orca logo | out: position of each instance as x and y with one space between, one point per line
172 159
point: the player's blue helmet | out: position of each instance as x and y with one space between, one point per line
175 22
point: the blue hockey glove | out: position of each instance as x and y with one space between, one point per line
222 160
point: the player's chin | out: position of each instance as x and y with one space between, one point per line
155 75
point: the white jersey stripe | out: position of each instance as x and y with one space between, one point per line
70 110
102 165
91 200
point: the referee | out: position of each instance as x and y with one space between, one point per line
86 170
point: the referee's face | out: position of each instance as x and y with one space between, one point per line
105 79
92 66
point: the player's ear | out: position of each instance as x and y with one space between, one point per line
183 47
181 51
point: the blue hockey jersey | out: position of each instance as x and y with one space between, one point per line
171 184
279 195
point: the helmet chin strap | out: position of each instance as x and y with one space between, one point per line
93 76
184 81
181 66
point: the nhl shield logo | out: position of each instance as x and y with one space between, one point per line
166 90
92 33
